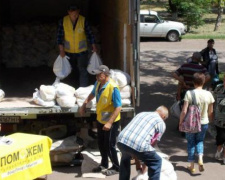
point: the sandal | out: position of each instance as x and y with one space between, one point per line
191 170
110 172
200 166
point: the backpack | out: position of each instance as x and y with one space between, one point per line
192 120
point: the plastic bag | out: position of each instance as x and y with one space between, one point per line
121 78
37 100
2 95
48 93
64 90
66 101
62 67
175 109
94 63
141 176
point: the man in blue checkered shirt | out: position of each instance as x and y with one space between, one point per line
72 36
138 139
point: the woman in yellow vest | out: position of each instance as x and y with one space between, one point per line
72 35
108 110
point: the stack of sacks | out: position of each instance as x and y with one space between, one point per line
122 79
125 93
2 95
65 95
45 97
82 94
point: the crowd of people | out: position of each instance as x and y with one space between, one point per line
137 140
200 75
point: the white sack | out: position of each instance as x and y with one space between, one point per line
126 88
81 91
47 93
2 95
62 67
126 102
167 170
125 92
66 101
120 77
91 104
94 63
64 90
37 100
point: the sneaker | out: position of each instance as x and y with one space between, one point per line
218 155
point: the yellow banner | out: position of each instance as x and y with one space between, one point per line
25 158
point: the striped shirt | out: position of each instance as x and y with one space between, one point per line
187 71
139 133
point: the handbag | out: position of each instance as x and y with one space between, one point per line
192 120
175 109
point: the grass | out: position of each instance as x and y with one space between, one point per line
203 32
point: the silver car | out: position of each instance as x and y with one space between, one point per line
152 26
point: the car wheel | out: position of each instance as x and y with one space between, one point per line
173 36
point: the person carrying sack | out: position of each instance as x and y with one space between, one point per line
72 35
195 141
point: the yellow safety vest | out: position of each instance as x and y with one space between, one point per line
75 40
105 106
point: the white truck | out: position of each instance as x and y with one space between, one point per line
118 25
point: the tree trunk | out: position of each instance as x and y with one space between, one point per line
173 9
219 16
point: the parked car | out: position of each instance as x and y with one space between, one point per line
151 25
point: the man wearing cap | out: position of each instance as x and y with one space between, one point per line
108 110
185 73
72 35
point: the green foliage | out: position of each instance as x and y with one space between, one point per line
145 2
192 11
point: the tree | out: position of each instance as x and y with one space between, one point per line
192 11
219 14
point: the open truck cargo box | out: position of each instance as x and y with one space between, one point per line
29 28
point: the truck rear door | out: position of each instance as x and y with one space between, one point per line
136 48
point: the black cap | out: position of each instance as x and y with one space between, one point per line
73 7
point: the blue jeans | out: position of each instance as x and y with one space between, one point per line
150 158
195 143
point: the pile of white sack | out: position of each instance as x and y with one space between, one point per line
123 80
2 95
82 93
61 93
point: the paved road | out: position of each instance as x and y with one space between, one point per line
158 59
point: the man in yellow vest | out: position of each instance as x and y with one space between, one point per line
72 35
108 110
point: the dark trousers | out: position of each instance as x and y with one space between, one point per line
79 75
107 144
150 158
